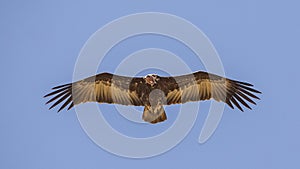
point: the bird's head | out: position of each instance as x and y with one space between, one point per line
151 79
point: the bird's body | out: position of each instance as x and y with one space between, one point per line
153 92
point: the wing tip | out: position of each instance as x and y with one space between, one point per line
243 83
59 109
61 86
46 95
71 105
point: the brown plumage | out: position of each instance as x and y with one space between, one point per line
153 91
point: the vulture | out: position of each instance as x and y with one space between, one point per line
154 91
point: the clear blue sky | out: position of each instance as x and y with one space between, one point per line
258 41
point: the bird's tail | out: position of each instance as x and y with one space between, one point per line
154 114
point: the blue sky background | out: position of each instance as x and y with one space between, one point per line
258 41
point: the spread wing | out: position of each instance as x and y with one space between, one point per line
205 86
102 88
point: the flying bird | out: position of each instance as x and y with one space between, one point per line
154 91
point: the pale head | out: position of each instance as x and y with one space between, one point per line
151 79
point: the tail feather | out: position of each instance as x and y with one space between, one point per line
154 114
